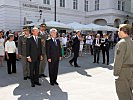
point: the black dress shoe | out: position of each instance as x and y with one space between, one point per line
56 83
52 84
32 85
25 78
70 63
94 62
40 76
28 77
98 62
38 84
103 63
43 75
77 66
107 63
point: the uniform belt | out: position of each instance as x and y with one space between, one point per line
128 66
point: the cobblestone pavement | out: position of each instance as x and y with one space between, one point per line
90 82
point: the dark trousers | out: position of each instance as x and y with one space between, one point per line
91 49
34 71
96 54
74 59
11 63
53 70
107 53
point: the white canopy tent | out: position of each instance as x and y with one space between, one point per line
77 26
57 25
108 28
93 27
34 24
51 24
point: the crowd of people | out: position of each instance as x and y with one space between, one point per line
13 46
38 47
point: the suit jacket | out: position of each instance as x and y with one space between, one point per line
32 49
105 44
53 51
94 42
76 44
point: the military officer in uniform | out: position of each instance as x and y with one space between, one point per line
105 48
22 52
43 35
123 64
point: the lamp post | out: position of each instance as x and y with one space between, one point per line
40 12
55 12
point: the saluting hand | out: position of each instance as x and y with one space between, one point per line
29 60
49 60
41 58
60 58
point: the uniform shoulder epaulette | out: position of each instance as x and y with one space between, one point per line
21 35
48 38
39 36
29 37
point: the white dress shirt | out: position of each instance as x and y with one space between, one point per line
10 47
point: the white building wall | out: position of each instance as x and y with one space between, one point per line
12 14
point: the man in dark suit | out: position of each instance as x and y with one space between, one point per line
96 46
33 53
75 47
53 52
105 48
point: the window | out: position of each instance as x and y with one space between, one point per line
123 6
86 6
46 2
75 4
119 5
96 4
62 3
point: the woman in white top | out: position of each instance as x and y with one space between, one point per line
2 51
81 45
10 49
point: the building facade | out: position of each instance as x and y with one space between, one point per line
16 13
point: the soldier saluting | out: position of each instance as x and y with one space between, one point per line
43 35
123 63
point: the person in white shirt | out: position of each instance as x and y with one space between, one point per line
10 49
2 51
81 44
64 40
88 41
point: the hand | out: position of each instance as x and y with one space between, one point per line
60 58
49 60
29 60
20 56
7 57
41 58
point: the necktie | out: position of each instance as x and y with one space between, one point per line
36 40
55 42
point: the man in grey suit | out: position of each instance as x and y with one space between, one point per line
22 52
43 35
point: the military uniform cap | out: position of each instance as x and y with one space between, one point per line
78 31
26 28
10 35
43 25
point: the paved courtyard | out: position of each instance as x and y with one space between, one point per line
90 82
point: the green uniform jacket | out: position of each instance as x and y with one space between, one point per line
123 54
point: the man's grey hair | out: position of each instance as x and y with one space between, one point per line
53 30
